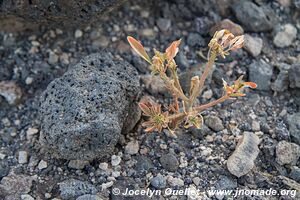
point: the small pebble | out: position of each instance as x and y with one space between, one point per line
23 157
159 182
31 132
103 166
78 33
207 94
196 180
287 153
53 58
42 165
255 126
78 164
115 160
26 197
242 159
175 182
132 147
28 80
285 36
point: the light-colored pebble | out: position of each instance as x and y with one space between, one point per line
23 157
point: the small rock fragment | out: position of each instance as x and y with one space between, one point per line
73 188
23 157
195 40
28 80
208 94
78 164
196 180
253 45
295 173
42 165
255 126
154 84
163 24
285 36
282 80
102 41
294 75
148 32
292 184
15 185
26 197
234 28
242 159
132 147
260 72
287 153
214 123
103 166
284 3
10 91
107 185
143 165
30 132
169 162
78 33
175 182
253 17
89 197
4 169
225 183
294 127
53 58
159 182
115 160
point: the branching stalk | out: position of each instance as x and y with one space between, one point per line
220 45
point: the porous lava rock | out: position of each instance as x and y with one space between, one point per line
84 112
59 12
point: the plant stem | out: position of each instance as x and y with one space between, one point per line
172 87
210 104
200 108
207 69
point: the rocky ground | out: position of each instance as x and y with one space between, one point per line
30 60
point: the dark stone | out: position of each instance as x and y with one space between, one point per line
84 112
73 188
126 184
202 25
282 81
294 75
169 162
214 122
182 61
294 127
89 197
143 164
62 12
163 24
201 132
253 17
260 72
295 173
226 183
14 185
4 169
281 131
195 40
159 182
